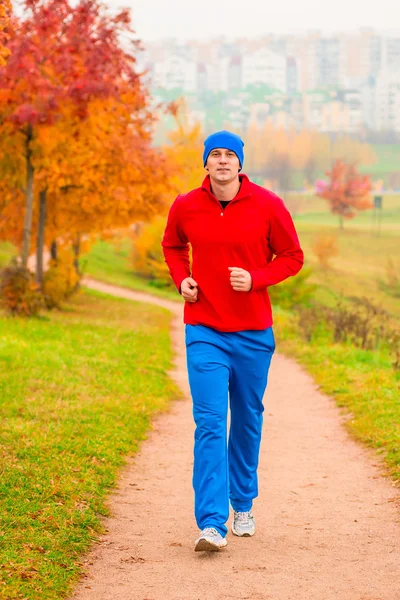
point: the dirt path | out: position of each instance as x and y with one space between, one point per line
328 522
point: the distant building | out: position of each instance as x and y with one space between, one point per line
328 60
292 76
345 82
381 102
266 67
175 71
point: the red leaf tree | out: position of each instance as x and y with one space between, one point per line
60 55
347 191
5 29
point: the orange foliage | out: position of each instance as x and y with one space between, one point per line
100 174
19 294
325 248
184 152
270 150
74 126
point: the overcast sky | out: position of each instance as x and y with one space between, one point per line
183 19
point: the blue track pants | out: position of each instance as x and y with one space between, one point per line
222 365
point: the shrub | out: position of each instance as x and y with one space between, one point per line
19 293
148 258
325 248
60 280
358 322
294 291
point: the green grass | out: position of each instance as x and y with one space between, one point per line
364 251
77 391
388 156
358 270
7 251
110 262
361 381
312 209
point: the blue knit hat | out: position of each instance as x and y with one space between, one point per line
224 139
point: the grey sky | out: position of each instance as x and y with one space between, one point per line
183 19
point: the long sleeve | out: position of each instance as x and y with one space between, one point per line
175 246
284 243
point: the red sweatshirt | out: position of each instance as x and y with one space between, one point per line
253 228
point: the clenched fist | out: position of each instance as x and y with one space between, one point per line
240 279
189 289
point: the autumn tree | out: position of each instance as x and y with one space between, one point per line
346 191
67 58
103 174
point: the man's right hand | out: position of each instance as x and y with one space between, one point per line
189 289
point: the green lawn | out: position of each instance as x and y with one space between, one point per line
360 267
362 381
388 156
310 208
7 251
111 262
77 391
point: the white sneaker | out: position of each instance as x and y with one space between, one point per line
210 540
243 524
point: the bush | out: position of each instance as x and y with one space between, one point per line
325 248
60 280
294 291
19 293
148 258
358 322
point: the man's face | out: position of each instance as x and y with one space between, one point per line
223 165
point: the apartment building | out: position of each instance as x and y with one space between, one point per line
264 66
345 82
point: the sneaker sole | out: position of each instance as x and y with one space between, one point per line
204 545
242 534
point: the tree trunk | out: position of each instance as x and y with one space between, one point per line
76 247
26 236
40 238
341 221
53 250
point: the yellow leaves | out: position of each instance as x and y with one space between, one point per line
184 153
304 150
60 280
148 259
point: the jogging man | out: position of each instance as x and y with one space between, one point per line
243 240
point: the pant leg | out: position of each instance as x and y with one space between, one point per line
208 370
251 357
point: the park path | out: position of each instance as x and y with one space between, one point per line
328 522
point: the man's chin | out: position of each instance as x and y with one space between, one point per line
223 176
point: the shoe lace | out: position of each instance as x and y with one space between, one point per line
209 531
243 517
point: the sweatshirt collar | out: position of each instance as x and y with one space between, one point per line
244 192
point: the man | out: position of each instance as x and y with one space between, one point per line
235 228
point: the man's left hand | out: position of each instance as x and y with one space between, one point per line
240 279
